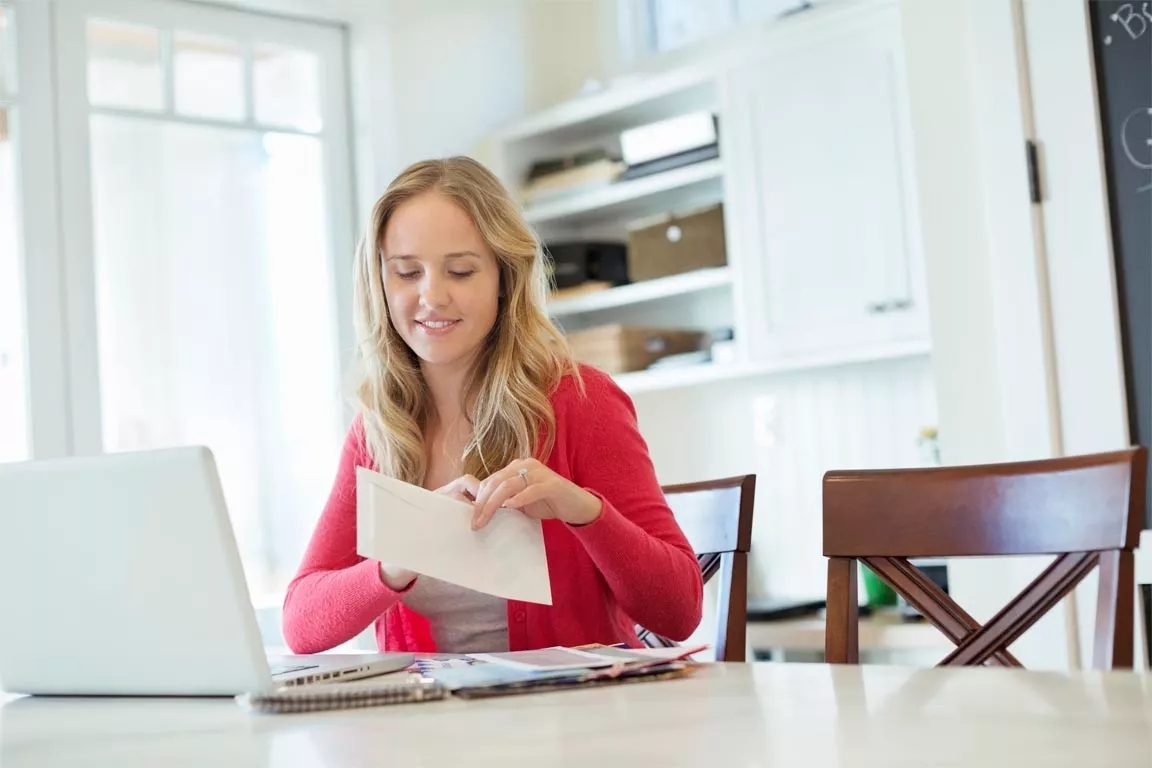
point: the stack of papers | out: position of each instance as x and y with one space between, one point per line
429 533
549 669
596 657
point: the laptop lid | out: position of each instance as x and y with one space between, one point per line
119 574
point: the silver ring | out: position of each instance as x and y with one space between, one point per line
523 474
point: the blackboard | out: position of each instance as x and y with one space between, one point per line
1122 46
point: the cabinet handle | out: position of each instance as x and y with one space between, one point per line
900 304
878 307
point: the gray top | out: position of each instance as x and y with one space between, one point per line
463 620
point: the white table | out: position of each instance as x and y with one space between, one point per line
740 715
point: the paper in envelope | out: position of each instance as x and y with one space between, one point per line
429 533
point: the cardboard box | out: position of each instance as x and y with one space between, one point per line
677 243
620 349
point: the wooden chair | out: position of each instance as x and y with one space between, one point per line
1088 510
716 517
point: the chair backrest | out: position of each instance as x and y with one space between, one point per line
1088 510
716 517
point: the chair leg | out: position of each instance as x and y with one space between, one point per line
841 639
732 607
1115 612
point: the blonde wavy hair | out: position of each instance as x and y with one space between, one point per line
506 397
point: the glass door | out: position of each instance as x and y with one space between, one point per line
207 213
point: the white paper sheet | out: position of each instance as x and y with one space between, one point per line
425 532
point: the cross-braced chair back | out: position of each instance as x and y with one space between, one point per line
1086 510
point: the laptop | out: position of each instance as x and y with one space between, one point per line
120 575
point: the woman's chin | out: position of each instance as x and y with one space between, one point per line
443 356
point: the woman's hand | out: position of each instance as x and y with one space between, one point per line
462 489
536 491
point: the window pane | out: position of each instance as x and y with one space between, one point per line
124 66
676 23
209 77
215 317
13 396
7 51
286 84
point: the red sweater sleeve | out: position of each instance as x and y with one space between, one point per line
635 543
336 594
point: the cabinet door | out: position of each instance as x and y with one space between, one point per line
825 131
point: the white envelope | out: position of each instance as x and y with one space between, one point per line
411 527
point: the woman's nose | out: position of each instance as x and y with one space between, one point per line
433 292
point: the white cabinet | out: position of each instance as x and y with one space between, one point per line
819 190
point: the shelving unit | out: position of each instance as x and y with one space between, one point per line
700 299
821 235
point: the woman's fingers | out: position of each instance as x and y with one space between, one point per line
529 495
489 486
465 487
483 512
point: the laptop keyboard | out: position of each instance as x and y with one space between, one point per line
284 669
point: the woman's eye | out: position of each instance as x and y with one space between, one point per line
407 275
462 275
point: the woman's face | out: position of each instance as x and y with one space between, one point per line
441 280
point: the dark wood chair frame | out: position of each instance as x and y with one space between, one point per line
716 517
1086 510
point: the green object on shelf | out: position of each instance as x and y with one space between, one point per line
879 593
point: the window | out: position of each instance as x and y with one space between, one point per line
216 197
668 25
13 388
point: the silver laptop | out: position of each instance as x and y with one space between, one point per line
120 575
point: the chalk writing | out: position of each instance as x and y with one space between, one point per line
1135 21
1136 139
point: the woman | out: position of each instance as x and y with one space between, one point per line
467 388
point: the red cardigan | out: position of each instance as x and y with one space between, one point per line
630 566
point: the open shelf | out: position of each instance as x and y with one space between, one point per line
688 376
647 290
676 189
630 101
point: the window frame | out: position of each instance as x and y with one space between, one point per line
47 384
328 41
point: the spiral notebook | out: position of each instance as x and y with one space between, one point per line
350 695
